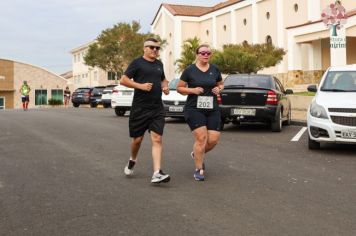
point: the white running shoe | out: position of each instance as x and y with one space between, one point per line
129 168
160 177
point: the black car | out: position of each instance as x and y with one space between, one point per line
81 96
95 96
255 98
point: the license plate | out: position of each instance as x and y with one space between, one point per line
79 96
348 134
175 108
126 93
244 112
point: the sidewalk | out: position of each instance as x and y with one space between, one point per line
300 106
299 117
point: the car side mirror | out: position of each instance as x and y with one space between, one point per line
289 91
312 88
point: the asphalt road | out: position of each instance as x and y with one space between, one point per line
61 173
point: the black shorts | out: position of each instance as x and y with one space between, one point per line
196 119
142 119
25 98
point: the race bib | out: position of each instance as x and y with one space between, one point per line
205 102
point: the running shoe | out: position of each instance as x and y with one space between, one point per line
199 175
192 155
129 168
160 177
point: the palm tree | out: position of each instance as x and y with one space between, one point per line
188 53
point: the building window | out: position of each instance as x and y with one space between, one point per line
268 15
269 39
245 21
224 27
2 103
207 32
111 75
57 94
170 35
296 7
2 77
40 97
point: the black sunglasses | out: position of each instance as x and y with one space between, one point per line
203 53
154 47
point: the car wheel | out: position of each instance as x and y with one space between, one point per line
312 144
289 118
75 105
120 111
93 105
276 125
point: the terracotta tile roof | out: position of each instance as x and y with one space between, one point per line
195 11
182 10
67 75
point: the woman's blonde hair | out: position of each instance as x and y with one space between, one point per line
201 46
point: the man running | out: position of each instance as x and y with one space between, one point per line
25 91
145 74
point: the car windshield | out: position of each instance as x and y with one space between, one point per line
98 90
173 84
340 81
248 81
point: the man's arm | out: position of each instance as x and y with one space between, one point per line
126 81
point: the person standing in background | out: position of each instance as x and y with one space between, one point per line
66 97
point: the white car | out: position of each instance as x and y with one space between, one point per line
331 116
174 102
121 99
106 96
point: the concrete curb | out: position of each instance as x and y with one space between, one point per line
299 122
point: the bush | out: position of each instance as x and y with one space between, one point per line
55 102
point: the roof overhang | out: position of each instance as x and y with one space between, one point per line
312 36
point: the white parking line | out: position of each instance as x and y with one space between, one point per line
298 135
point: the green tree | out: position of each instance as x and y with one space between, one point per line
247 58
116 47
188 53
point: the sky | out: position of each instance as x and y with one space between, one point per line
42 32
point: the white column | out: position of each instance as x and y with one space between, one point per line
254 22
314 54
214 32
177 41
280 33
294 53
164 35
338 48
233 27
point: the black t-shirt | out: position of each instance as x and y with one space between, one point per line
143 71
194 77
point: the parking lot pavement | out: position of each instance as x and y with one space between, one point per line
61 173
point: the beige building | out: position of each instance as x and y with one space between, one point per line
86 76
44 84
294 25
